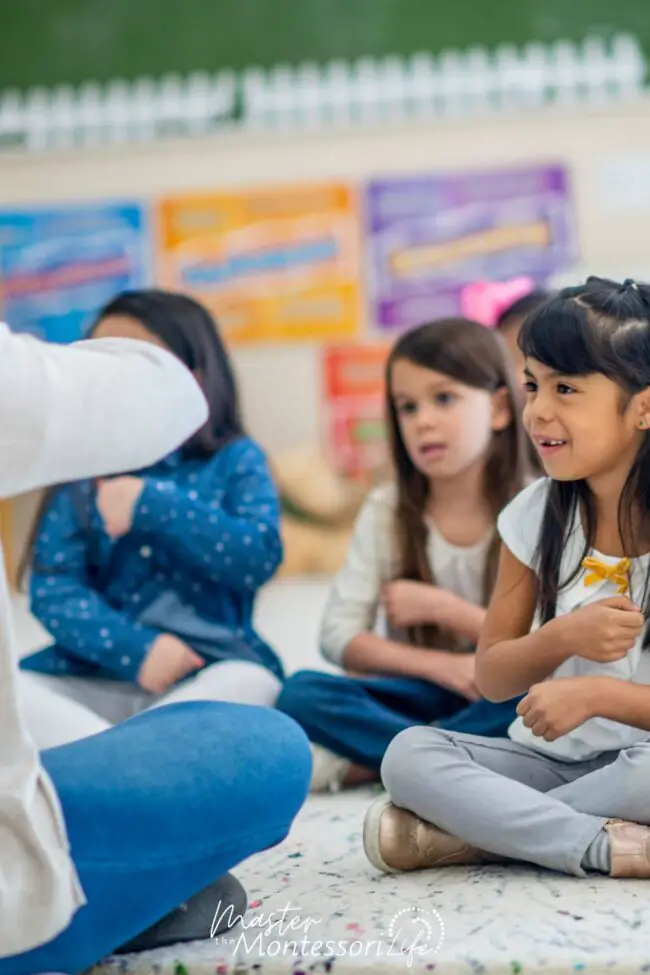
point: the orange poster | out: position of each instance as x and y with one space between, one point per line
277 264
353 385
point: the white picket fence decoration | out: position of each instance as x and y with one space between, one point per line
311 96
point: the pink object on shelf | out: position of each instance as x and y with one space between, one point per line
486 301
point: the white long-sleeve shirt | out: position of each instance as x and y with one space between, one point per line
66 413
353 606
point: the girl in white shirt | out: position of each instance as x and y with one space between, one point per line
421 562
568 789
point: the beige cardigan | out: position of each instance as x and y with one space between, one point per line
66 412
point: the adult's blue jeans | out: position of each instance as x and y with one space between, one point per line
161 806
358 717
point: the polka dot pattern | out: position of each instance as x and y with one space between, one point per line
208 529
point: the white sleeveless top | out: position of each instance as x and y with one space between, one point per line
519 527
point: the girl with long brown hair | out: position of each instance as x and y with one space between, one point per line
422 559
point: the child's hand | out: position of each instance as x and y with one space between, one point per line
457 674
168 661
411 603
604 631
116 501
558 706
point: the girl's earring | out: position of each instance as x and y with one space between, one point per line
642 424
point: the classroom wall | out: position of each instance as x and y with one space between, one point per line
607 151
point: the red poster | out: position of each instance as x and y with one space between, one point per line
354 407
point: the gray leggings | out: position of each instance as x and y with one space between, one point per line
508 799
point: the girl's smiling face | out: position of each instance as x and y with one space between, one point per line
582 426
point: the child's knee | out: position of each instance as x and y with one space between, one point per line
409 755
397 764
300 694
235 681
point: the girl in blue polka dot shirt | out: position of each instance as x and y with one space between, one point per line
146 582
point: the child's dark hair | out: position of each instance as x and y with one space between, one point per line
476 356
190 332
520 309
513 317
599 327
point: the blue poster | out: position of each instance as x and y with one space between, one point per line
59 265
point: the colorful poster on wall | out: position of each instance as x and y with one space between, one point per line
276 264
429 236
353 383
59 265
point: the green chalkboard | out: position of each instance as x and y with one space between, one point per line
53 41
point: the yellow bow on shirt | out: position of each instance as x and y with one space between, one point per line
598 571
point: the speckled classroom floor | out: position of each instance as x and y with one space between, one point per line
317 906
476 921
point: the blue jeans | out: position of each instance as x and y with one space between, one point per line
160 807
358 718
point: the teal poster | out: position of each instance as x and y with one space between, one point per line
59 265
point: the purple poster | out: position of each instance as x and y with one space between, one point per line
429 236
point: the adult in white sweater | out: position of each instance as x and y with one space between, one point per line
101 838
